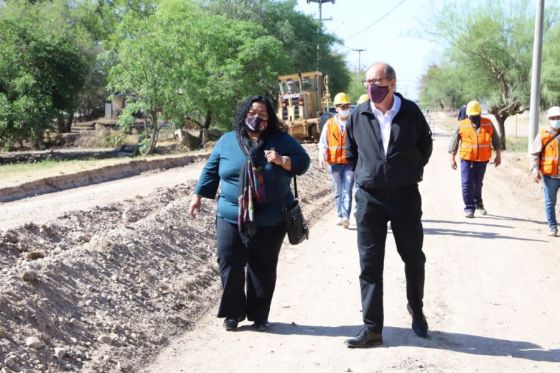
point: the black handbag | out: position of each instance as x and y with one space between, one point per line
296 227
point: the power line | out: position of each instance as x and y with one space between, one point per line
378 20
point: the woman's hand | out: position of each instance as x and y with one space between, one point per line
281 160
273 157
194 206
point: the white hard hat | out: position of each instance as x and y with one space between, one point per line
553 112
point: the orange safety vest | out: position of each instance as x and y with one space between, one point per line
475 146
335 143
549 155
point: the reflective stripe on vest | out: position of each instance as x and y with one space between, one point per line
476 146
549 155
335 143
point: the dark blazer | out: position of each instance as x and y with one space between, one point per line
409 150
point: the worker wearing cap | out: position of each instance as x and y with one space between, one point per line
474 138
546 165
331 153
363 98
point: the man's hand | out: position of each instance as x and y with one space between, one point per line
498 159
536 175
453 162
194 206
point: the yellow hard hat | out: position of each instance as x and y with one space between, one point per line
341 99
473 108
363 98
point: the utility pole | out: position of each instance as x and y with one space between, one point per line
321 19
359 60
536 76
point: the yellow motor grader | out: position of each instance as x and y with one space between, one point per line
304 97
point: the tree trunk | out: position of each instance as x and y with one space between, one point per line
501 119
204 131
501 125
155 132
64 125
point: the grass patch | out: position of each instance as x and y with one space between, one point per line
17 173
517 144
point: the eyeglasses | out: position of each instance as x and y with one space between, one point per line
369 82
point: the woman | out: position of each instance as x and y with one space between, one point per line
253 165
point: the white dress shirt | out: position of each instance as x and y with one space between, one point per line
386 119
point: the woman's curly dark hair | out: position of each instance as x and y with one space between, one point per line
243 109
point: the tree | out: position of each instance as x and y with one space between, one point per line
305 45
184 64
441 87
42 69
551 68
491 43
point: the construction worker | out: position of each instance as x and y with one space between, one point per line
363 98
462 114
474 138
546 165
331 153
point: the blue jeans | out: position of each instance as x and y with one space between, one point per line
343 181
472 174
551 186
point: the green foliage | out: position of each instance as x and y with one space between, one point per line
551 68
442 88
42 68
488 56
182 60
305 46
114 139
355 88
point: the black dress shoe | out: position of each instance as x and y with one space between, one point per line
419 323
230 324
366 338
261 326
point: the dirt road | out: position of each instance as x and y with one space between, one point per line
46 207
491 296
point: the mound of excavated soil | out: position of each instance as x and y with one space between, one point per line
104 289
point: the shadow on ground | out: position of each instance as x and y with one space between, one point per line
442 340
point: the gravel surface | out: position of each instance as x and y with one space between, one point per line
103 288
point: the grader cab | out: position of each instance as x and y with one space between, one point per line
303 98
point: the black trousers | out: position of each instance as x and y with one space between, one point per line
255 262
374 209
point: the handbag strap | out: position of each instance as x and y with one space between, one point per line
549 141
295 187
546 144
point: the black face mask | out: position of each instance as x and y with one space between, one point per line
475 119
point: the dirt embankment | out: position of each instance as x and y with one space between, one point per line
102 289
100 175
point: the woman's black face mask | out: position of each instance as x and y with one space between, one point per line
475 119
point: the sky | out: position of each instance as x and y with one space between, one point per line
388 30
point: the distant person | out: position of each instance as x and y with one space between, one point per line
253 167
388 144
474 138
462 114
331 154
546 165
363 98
